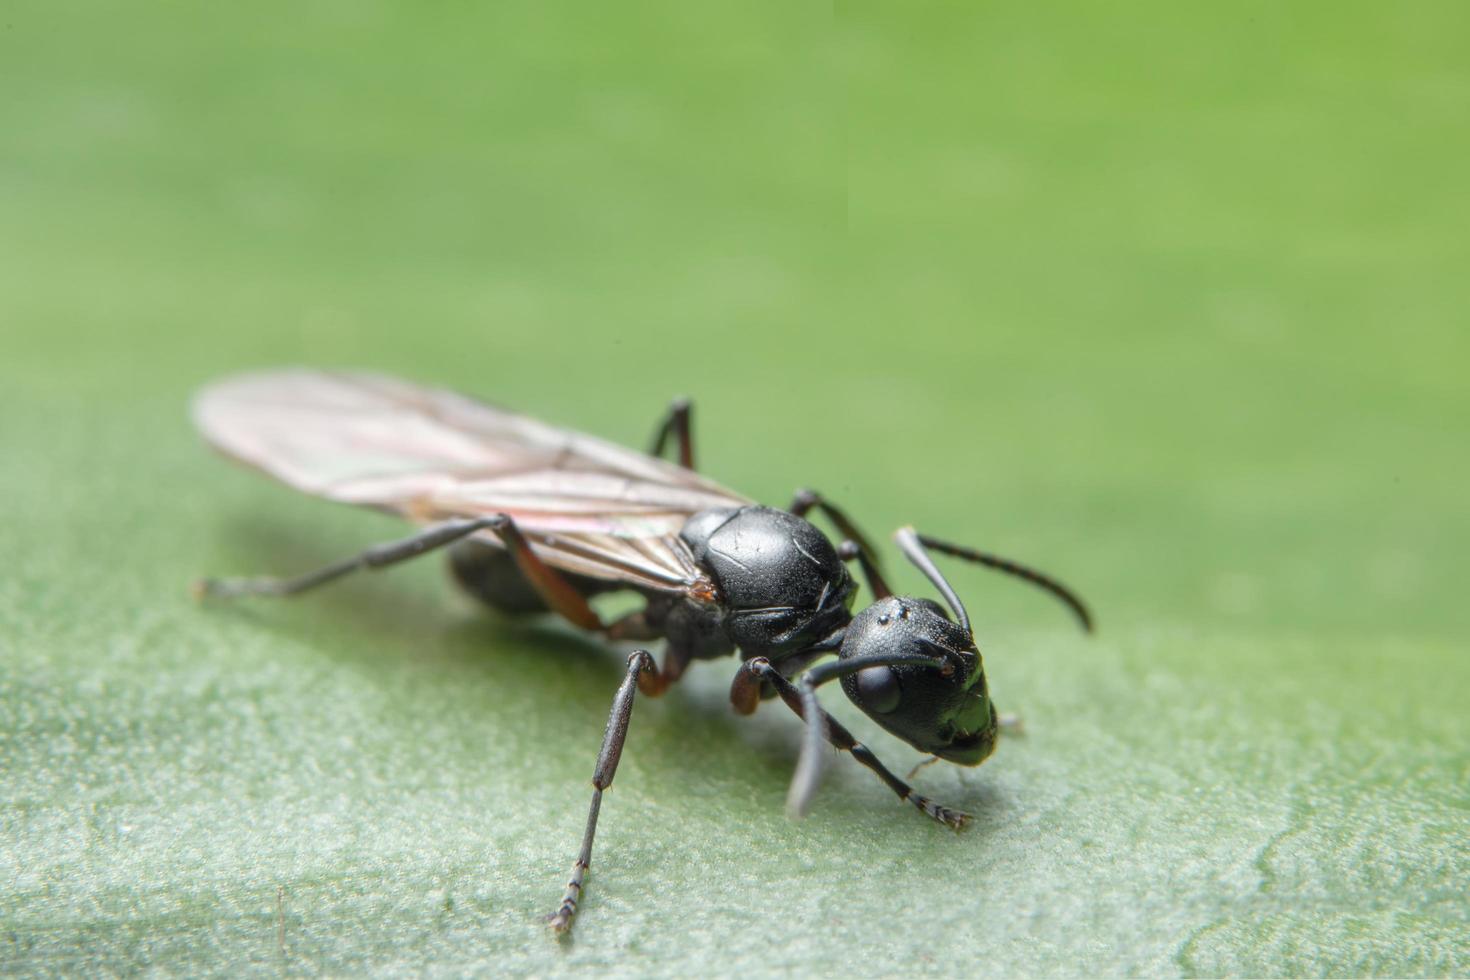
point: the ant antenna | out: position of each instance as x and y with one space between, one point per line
913 545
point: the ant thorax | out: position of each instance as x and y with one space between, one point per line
782 586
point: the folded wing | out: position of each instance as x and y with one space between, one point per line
586 505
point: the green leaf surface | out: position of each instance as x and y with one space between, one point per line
1170 300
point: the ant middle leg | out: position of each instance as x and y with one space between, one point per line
613 738
751 687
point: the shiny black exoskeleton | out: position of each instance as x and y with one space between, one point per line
949 716
786 592
785 596
782 586
763 581
781 594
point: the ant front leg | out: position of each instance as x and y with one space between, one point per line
613 737
745 695
676 422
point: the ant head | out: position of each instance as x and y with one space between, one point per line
942 706
912 668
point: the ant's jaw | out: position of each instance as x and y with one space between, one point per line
969 751
970 748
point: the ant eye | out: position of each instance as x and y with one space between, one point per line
879 688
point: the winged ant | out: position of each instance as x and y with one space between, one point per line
538 519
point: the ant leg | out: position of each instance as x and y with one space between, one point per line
748 690
676 423
553 588
566 600
850 549
922 764
862 548
745 689
560 595
635 626
656 682
1011 723
759 669
379 556
613 738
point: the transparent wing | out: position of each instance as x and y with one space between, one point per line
587 506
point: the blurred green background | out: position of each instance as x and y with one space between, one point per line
1169 299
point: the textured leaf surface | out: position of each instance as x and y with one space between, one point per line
1171 302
